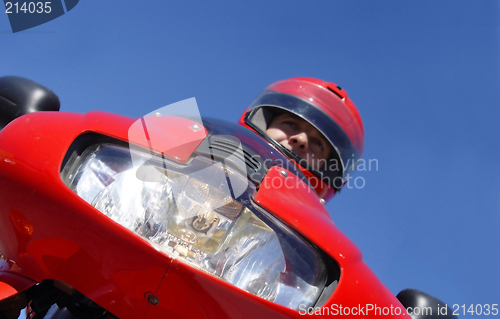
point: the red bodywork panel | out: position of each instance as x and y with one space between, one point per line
48 232
358 285
6 290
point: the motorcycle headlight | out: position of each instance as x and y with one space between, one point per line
201 213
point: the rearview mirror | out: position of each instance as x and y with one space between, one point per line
19 96
420 305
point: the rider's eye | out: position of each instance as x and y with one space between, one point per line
319 144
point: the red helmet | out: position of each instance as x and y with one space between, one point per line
327 108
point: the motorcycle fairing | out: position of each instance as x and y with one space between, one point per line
356 278
77 244
118 270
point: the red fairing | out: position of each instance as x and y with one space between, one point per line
68 240
6 290
51 233
48 232
187 292
308 217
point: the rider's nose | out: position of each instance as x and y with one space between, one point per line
299 140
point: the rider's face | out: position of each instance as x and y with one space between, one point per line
301 138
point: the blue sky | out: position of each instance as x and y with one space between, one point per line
425 76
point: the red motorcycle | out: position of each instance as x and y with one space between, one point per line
105 216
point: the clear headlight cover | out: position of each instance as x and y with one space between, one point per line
195 213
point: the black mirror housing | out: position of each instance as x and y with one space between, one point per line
19 96
421 305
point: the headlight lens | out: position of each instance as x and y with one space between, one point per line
195 213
